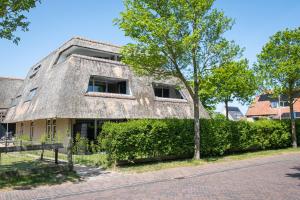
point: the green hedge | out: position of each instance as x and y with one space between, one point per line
174 137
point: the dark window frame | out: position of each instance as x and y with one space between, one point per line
110 84
164 91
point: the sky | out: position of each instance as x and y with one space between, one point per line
53 22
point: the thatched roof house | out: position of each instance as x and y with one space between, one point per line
83 83
8 90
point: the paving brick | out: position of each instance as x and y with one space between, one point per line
276 177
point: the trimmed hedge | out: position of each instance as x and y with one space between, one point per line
150 138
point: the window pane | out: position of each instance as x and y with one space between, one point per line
90 88
100 86
166 93
158 92
112 87
122 87
178 94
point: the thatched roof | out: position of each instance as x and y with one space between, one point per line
8 90
62 81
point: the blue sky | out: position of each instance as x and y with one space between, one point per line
55 21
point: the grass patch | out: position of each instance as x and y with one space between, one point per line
19 171
140 168
93 160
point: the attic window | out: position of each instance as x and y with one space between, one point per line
16 100
35 71
107 85
166 91
31 94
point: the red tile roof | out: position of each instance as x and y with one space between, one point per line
263 108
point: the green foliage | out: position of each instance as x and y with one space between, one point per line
279 62
182 39
173 137
12 17
279 67
231 81
81 144
147 138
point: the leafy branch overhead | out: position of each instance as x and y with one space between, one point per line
169 33
12 17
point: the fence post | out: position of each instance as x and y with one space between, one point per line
56 155
69 152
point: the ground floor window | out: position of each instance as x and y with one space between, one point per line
51 129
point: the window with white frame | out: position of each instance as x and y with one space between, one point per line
284 104
274 104
51 128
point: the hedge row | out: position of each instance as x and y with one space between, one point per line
147 138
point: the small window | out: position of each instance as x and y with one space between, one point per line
35 71
31 94
284 104
16 100
274 104
165 91
107 85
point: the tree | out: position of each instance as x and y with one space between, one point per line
279 68
231 81
180 38
12 17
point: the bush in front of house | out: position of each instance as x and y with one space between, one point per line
153 138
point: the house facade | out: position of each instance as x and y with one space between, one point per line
8 90
234 113
83 84
268 106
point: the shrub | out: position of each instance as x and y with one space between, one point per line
150 138
81 144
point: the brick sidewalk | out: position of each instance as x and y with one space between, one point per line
106 184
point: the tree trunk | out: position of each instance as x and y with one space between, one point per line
196 129
226 109
196 116
294 137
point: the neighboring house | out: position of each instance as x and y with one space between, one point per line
234 113
8 90
267 106
82 84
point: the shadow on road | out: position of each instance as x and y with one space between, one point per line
296 174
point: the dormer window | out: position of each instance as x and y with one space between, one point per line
16 100
31 94
107 85
35 71
167 91
274 104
